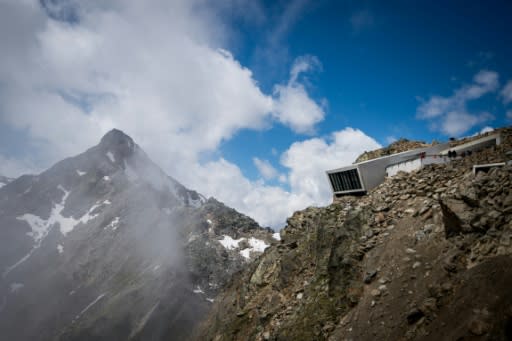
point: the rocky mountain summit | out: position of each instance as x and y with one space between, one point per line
426 255
106 246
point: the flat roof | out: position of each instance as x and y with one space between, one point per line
469 144
411 151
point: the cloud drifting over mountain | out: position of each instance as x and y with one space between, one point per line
159 72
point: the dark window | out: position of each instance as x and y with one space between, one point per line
345 181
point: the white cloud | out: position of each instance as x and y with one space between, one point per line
506 93
450 115
293 106
15 167
158 71
266 169
456 123
151 70
306 162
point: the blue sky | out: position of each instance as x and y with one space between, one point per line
245 100
378 60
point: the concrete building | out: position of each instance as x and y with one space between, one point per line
361 177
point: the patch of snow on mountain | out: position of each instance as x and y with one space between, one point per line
15 287
257 245
230 243
80 173
246 253
114 224
198 290
2 184
60 248
89 306
39 226
276 236
106 178
111 156
209 221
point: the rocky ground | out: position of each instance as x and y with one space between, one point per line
426 255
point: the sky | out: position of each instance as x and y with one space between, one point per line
248 101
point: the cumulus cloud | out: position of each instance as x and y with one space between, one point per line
293 106
160 71
155 70
305 161
450 115
308 160
506 93
265 168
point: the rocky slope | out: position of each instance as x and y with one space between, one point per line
424 256
106 246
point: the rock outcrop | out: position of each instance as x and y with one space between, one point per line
424 256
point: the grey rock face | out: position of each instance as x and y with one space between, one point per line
106 246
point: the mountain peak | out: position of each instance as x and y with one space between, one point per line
117 142
116 137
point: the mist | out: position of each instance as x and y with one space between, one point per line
105 255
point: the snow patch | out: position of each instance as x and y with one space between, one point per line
114 224
15 287
246 253
276 236
89 306
2 184
111 156
106 178
209 221
80 173
60 248
257 245
41 227
230 243
198 290
211 300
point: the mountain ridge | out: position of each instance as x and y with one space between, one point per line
105 245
